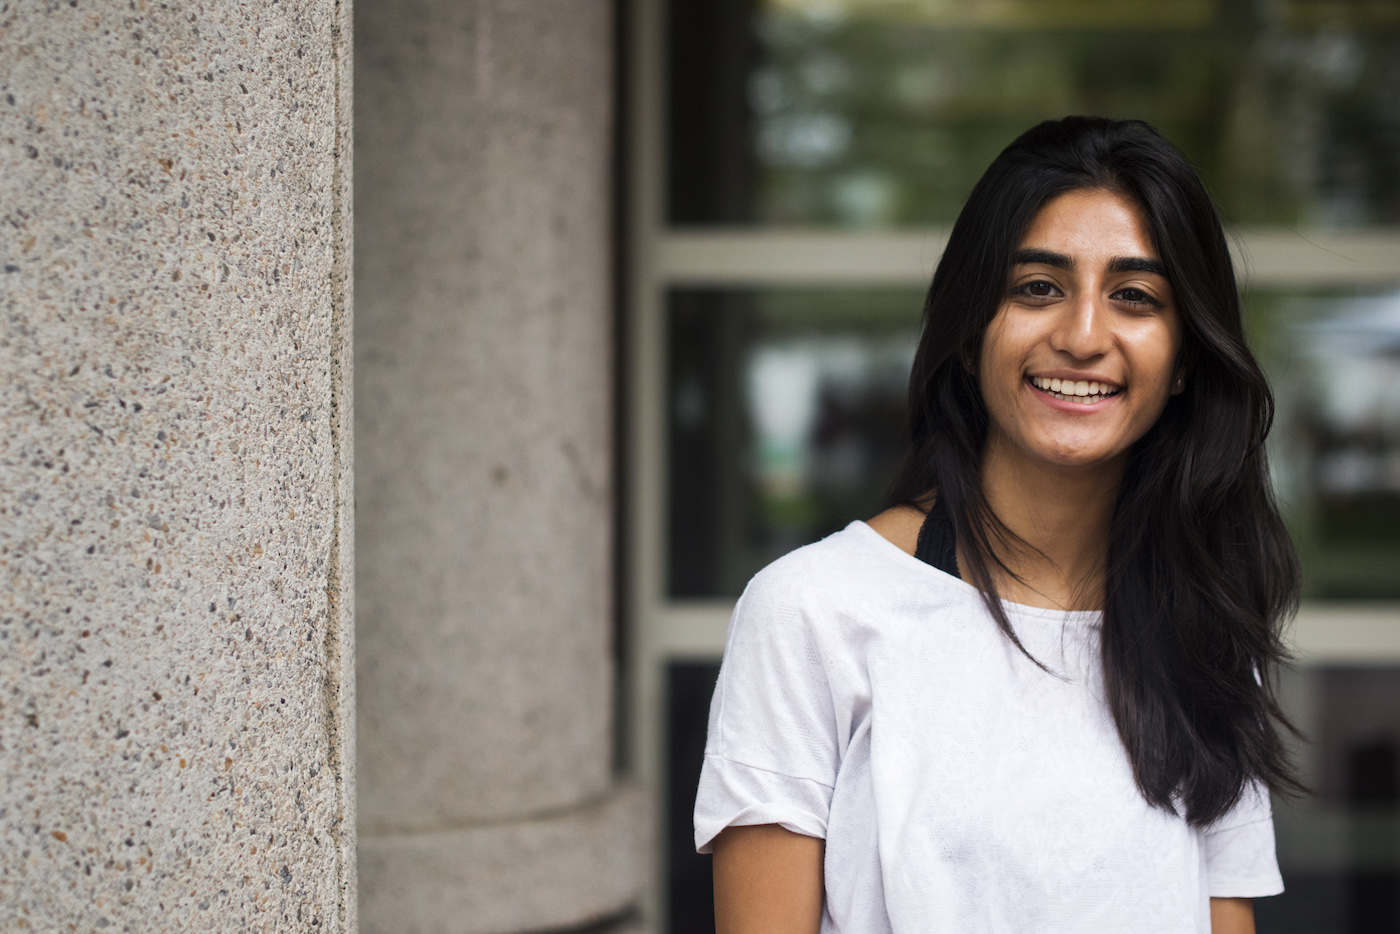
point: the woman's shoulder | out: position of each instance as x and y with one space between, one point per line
900 525
857 565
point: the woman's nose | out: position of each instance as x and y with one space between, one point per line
1082 330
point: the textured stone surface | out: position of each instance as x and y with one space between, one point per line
535 875
483 336
174 541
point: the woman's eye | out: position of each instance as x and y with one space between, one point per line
1136 297
1040 289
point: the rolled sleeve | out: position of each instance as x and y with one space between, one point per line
1239 851
771 754
737 795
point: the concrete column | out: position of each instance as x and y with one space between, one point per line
484 333
176 726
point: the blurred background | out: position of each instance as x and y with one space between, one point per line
793 166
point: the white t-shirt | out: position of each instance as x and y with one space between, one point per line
869 699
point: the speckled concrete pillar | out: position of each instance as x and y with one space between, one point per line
176 728
484 328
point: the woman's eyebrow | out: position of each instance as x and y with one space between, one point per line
1137 264
1041 257
1033 256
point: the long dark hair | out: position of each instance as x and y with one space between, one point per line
1200 572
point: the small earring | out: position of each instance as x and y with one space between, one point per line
1180 383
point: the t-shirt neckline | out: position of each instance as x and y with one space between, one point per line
1022 610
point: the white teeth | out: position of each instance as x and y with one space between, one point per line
1083 391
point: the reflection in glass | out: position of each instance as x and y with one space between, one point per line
872 113
1335 364
786 409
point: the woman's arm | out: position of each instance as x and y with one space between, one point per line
1231 916
769 881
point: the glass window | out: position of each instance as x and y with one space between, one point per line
691 902
870 113
1334 362
786 413
809 154
1339 851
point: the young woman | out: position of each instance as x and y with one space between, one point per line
1034 695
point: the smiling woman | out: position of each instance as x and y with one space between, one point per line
1036 693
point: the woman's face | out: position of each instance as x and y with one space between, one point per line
1082 354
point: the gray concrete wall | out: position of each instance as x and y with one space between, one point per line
175 487
484 326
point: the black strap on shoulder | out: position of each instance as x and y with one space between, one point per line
938 545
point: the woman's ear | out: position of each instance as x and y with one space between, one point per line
1179 381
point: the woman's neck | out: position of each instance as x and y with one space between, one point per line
1062 515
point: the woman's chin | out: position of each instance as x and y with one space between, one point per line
1075 456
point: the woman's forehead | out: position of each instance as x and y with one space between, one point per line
1089 224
